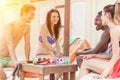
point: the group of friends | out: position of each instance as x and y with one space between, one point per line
89 60
105 57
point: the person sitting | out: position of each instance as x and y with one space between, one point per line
106 64
101 45
49 36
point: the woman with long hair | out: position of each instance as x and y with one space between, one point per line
49 35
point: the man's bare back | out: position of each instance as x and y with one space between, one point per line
18 30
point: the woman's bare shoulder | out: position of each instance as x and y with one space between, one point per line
115 31
43 29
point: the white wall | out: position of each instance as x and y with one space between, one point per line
77 19
91 9
1 20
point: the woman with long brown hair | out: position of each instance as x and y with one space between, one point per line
49 35
49 44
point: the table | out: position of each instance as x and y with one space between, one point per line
68 70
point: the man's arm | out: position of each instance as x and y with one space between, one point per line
100 47
10 42
27 43
103 43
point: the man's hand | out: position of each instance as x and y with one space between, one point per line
79 52
82 52
88 56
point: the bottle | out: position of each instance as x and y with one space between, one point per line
35 60
66 60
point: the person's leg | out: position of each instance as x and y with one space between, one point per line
2 73
17 71
11 64
3 63
95 64
83 70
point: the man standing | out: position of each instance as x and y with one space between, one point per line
12 34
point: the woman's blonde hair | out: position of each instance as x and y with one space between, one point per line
117 13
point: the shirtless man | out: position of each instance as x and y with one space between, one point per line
12 34
102 44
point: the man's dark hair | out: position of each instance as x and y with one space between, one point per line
100 13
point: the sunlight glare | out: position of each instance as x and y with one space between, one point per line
2 3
